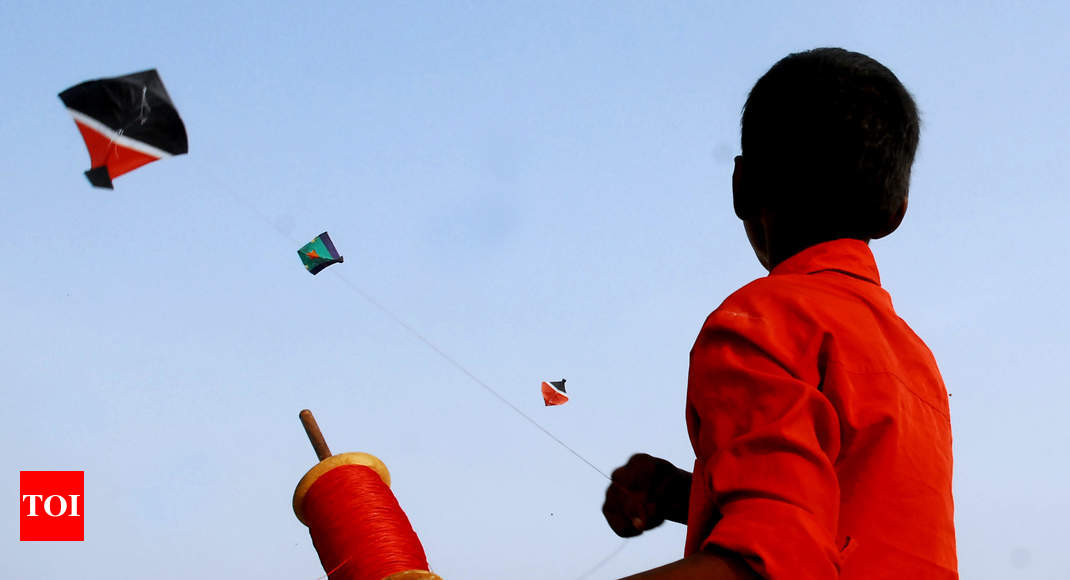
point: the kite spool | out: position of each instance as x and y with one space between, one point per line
356 523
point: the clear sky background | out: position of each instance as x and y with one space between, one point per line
541 190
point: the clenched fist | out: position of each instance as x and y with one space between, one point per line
645 492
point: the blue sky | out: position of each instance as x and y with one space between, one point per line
541 190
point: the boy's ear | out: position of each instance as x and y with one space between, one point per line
742 200
893 221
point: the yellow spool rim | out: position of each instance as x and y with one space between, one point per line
414 575
317 471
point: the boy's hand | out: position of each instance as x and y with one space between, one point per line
645 492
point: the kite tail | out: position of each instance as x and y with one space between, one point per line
99 177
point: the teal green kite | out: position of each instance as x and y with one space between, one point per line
319 253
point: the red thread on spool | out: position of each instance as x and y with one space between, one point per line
358 527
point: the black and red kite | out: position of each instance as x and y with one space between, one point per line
553 393
126 122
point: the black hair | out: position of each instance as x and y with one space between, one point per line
829 136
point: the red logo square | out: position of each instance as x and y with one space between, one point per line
51 506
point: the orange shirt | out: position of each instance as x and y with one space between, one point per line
821 428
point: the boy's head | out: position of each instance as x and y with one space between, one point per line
828 139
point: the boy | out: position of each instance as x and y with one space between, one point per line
819 420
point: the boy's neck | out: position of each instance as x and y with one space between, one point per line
781 239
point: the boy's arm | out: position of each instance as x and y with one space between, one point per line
766 439
702 565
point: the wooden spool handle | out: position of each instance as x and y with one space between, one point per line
328 462
314 434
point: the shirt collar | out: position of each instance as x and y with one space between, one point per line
849 256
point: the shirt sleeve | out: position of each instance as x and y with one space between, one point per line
766 440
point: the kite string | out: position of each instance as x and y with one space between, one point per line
358 528
445 356
144 109
416 334
427 342
143 115
623 544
